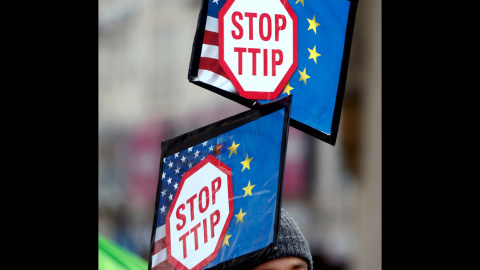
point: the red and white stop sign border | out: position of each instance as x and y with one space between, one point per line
258 46
199 215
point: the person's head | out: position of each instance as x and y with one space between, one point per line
292 253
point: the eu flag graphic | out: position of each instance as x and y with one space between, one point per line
252 144
325 30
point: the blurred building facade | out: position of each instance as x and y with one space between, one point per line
144 49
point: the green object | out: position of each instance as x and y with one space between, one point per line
112 256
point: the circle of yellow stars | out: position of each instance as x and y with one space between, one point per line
313 24
247 189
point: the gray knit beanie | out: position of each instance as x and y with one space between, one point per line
290 242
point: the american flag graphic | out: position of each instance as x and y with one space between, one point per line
209 69
325 30
173 169
253 152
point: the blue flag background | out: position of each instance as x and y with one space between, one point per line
253 152
315 97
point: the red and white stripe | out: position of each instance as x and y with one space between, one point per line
209 69
159 254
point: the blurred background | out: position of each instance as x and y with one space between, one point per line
144 97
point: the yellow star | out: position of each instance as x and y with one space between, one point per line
313 24
233 148
239 216
303 76
225 240
313 53
248 189
287 89
301 1
246 163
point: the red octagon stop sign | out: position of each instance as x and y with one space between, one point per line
199 215
258 46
